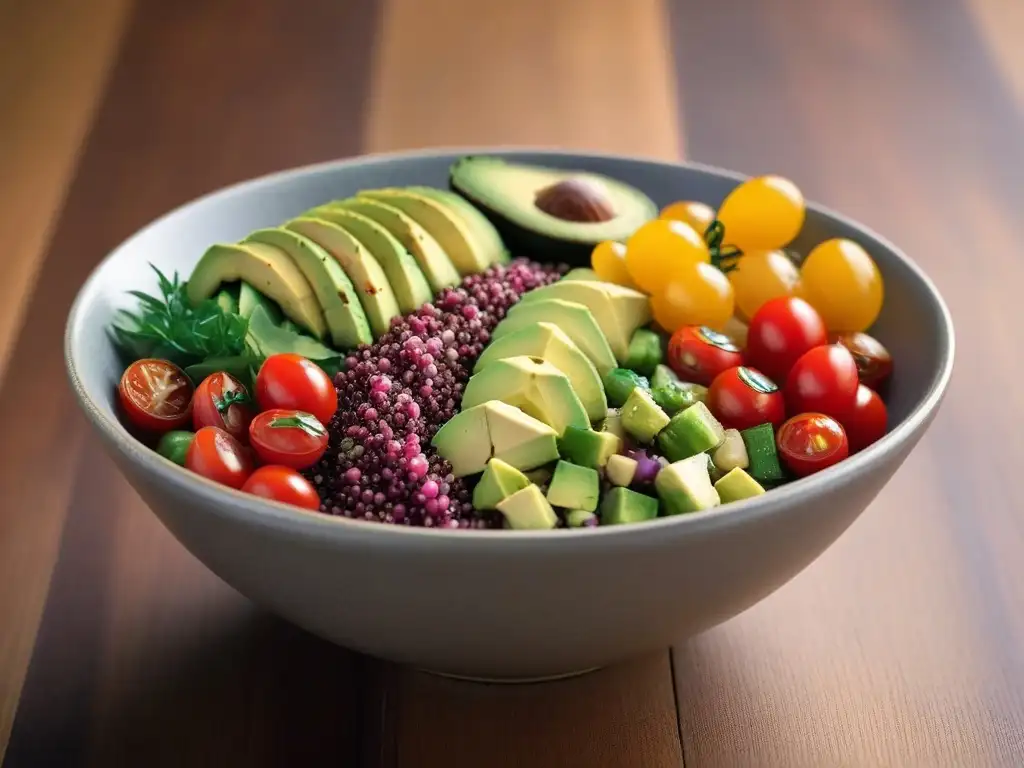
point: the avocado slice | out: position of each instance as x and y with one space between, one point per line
269 270
441 222
411 288
429 255
345 321
485 233
531 384
574 319
587 447
507 193
549 342
227 299
582 273
737 485
249 298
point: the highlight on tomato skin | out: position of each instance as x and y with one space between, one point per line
291 438
823 380
283 484
780 332
698 354
811 442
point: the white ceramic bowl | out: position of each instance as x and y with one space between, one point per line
499 604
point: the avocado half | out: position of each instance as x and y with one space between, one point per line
550 213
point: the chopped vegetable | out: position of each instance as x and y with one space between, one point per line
732 453
690 432
620 382
642 418
156 395
644 351
678 396
761 454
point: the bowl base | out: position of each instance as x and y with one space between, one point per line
509 680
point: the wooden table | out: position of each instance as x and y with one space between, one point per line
902 646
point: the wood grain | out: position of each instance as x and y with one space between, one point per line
903 644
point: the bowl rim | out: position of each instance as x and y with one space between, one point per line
293 521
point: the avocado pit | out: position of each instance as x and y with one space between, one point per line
579 199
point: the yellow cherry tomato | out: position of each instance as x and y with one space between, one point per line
761 276
697 294
692 212
840 280
608 259
661 246
762 214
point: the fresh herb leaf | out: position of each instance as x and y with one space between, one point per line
307 422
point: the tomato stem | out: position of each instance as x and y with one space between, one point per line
233 397
724 257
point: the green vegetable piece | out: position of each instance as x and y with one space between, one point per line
619 382
587 447
732 453
527 509
499 481
174 445
690 432
762 455
676 396
662 375
267 339
621 470
685 486
621 505
644 351
238 366
249 298
574 487
580 518
612 424
642 418
227 299
540 475
737 485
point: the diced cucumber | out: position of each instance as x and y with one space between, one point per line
762 456
662 375
690 432
643 418
644 351
620 382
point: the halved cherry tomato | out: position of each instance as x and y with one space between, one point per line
744 397
222 401
216 455
698 353
156 395
874 363
291 438
291 381
823 380
810 442
867 422
282 484
780 331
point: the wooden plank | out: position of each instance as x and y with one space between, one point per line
144 657
902 644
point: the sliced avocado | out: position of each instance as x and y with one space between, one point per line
531 384
441 222
267 339
508 192
574 487
685 486
643 418
632 306
621 470
528 510
407 281
372 288
540 475
549 342
227 299
465 441
574 319
430 256
249 298
485 233
737 485
269 270
499 481
692 431
587 447
346 322
582 273
621 505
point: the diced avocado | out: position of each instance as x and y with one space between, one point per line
643 418
644 351
444 225
662 375
269 270
588 448
582 273
465 441
485 233
620 382
499 481
762 456
227 299
532 384
411 288
737 485
540 475
692 431
249 298
612 424
519 439
549 342
372 289
580 518
600 305
574 487
574 319
677 396
528 510
621 505
621 470
346 320
685 486
429 255
507 192
267 339
732 453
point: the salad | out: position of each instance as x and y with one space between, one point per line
383 358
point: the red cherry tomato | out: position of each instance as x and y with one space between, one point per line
866 423
156 395
744 397
222 401
874 363
291 381
291 438
780 331
216 455
810 442
698 353
282 484
823 380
